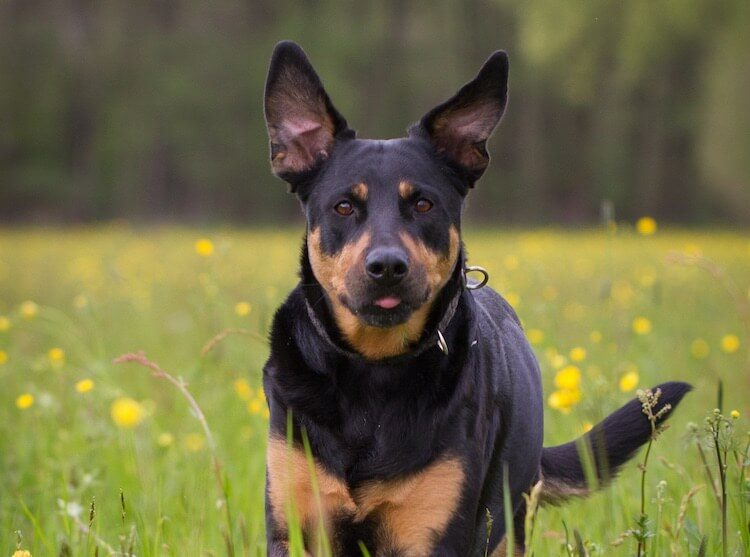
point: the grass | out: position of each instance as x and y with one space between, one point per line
101 292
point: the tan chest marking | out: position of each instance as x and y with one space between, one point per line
411 512
291 488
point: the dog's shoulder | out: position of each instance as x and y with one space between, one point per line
493 308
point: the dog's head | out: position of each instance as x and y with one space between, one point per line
383 217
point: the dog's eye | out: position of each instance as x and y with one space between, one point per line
344 208
423 205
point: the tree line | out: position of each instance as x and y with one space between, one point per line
152 110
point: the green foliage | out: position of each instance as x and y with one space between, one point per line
154 110
102 292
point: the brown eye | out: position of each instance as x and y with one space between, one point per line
423 205
344 208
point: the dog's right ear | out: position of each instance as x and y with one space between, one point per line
302 123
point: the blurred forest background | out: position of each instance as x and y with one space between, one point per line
152 109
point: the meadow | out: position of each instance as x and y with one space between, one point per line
101 458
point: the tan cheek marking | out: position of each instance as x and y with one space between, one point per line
330 270
415 510
289 483
361 191
437 266
405 189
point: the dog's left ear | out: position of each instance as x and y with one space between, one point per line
303 125
460 127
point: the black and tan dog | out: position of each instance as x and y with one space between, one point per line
413 392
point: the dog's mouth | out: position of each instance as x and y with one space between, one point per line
385 309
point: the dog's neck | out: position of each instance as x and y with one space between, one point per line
343 330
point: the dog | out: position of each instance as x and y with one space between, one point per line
405 404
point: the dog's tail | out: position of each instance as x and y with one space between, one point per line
605 448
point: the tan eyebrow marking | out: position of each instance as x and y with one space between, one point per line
405 189
360 191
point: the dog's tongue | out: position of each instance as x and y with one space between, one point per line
388 302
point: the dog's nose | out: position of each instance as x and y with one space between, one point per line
387 266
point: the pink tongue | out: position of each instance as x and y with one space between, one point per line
389 302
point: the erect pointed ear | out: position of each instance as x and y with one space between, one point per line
459 128
302 123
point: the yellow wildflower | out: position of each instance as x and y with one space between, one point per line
84 385
595 337
735 414
22 553
646 226
642 325
4 323
242 309
564 399
29 310
3 357
568 377
535 336
699 349
255 406
243 389
629 381
730 343
513 299
587 426
194 442
577 354
204 247
126 412
262 394
165 439
25 401
56 357
558 361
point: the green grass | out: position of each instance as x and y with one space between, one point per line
105 291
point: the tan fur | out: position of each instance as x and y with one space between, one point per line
414 511
502 550
360 191
555 493
405 189
411 512
437 266
376 342
289 484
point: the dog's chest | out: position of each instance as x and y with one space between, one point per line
401 514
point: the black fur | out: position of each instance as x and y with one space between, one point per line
386 419
611 443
